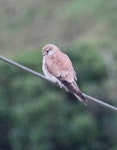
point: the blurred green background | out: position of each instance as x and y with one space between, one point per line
36 115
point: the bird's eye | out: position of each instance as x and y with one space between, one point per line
49 52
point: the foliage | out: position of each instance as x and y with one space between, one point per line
29 24
38 115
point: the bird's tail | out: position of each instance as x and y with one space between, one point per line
81 98
73 88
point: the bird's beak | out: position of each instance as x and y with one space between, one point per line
44 53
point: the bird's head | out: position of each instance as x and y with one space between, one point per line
49 49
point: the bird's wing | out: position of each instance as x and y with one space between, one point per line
61 67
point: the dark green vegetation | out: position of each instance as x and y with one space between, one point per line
36 115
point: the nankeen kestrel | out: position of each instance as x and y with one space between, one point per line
58 68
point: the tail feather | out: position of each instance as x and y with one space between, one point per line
73 88
81 98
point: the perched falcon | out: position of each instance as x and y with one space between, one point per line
58 68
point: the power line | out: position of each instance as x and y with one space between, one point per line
13 63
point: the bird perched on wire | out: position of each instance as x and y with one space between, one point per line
58 68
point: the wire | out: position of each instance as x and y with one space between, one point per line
44 78
100 102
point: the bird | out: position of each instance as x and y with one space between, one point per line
58 68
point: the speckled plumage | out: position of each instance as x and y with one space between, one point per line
58 68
